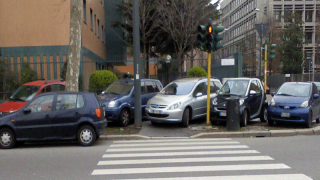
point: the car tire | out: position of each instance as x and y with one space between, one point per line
308 124
7 138
86 135
318 120
270 122
154 123
264 114
185 118
124 117
245 119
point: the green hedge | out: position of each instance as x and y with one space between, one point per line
197 71
100 80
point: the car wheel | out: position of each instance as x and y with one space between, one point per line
309 122
270 122
86 135
154 123
318 120
185 118
245 119
7 139
124 117
264 114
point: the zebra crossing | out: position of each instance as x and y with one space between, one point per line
186 159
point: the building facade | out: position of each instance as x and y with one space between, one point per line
239 17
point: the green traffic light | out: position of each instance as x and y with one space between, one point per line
272 51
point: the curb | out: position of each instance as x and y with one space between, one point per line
230 134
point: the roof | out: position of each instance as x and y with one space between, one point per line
132 80
42 82
243 78
194 79
297 82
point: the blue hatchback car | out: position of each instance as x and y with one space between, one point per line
119 98
295 102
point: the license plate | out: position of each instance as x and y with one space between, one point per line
157 111
223 114
285 114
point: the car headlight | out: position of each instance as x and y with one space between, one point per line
304 104
273 102
241 101
112 104
175 106
214 101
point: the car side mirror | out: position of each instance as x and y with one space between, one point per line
199 94
253 92
316 96
273 93
26 110
103 92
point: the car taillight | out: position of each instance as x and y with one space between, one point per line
98 112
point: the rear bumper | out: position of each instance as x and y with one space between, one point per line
100 127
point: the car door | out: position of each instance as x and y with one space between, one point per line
315 102
144 96
35 124
200 102
254 101
69 109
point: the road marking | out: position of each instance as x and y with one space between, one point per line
190 169
171 140
175 148
241 177
179 153
173 144
186 160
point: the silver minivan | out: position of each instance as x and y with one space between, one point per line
182 100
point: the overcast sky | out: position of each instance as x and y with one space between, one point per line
213 1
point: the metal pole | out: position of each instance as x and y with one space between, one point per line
136 59
208 90
265 66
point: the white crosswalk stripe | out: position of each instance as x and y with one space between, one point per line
189 159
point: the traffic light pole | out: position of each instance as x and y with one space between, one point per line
265 66
208 89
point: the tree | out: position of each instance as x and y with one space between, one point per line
76 12
8 80
63 75
291 44
180 18
27 74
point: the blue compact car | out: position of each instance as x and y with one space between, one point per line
119 98
295 102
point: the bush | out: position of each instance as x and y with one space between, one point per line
100 80
197 72
27 74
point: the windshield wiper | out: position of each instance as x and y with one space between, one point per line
16 99
113 93
284 94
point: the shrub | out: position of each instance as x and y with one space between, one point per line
27 74
100 80
197 72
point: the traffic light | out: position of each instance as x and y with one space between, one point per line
272 51
208 37
217 37
201 37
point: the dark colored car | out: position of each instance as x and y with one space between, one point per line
252 100
55 116
29 90
295 102
119 98
317 84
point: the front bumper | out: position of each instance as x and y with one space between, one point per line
298 114
164 115
220 113
112 113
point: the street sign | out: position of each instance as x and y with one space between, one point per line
262 29
227 62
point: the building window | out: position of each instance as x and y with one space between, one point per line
84 11
91 21
299 12
95 24
309 15
277 15
308 37
98 28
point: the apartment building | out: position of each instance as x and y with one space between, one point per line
239 18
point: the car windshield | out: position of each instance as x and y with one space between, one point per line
178 88
119 88
300 90
234 87
24 93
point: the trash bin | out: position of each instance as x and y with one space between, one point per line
233 114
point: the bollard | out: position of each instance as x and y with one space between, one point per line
233 114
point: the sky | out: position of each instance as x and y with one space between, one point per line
213 1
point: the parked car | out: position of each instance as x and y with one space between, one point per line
295 102
252 100
181 101
55 116
317 84
27 91
119 98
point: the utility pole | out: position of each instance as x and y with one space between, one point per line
76 11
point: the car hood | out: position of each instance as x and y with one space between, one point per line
221 100
289 99
166 99
9 106
109 97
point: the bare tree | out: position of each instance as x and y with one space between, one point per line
72 76
180 18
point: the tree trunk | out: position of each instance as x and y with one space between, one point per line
72 76
147 63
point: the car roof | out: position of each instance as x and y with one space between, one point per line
65 92
297 82
43 82
243 78
195 79
132 80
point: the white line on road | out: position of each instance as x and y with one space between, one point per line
186 160
241 177
172 140
175 148
190 169
174 144
179 153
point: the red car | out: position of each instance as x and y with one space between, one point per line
27 92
